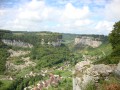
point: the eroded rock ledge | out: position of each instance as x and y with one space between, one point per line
85 72
17 43
89 41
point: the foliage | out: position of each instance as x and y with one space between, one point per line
109 60
3 58
4 84
113 83
33 37
4 32
21 83
68 38
1 83
3 52
51 55
114 38
64 84
63 73
18 62
90 86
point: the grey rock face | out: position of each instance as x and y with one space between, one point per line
90 41
53 43
117 71
85 72
17 43
57 43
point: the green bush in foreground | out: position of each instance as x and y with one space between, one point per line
114 39
90 86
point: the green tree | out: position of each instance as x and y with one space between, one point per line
114 38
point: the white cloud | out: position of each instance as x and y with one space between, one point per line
104 27
72 12
84 22
1 12
112 11
37 15
33 11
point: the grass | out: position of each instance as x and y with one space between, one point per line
63 73
104 50
64 84
110 84
19 62
108 60
19 48
5 84
90 86
25 71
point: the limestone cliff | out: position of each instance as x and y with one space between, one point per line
54 43
85 72
17 43
89 41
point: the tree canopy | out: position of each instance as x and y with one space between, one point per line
114 38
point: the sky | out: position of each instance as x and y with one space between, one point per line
64 16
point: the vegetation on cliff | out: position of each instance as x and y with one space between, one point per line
114 39
3 52
59 60
51 55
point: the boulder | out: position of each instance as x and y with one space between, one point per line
117 70
87 41
85 72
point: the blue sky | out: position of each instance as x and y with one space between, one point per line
66 16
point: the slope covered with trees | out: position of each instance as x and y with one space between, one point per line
51 55
33 38
114 39
46 57
3 52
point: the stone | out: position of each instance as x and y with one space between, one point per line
117 70
85 72
17 43
81 65
89 41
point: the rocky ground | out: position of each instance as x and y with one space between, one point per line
27 62
85 72
12 68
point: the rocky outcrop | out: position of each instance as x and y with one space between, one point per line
85 72
117 71
41 85
90 41
17 53
17 43
27 62
10 66
54 43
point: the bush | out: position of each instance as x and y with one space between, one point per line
90 86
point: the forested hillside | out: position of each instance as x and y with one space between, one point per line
114 39
45 60
34 38
52 55
44 54
3 51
